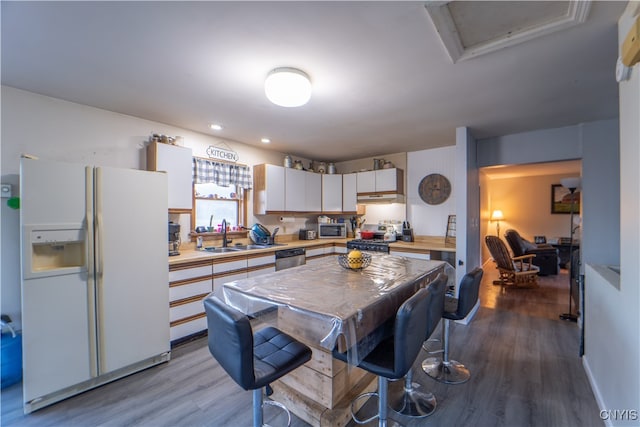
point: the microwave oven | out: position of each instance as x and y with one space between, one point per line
334 230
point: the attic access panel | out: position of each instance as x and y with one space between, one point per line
472 28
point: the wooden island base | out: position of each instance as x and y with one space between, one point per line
319 392
317 414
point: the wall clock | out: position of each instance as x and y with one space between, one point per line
434 189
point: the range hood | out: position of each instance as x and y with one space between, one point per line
370 198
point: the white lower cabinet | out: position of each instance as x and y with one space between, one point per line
227 270
189 284
261 264
223 278
411 254
316 254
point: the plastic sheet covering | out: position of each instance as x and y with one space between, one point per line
322 302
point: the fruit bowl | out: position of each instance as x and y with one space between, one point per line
354 262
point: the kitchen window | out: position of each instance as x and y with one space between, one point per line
220 192
213 203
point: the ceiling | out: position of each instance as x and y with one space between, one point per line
383 80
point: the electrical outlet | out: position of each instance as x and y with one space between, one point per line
5 190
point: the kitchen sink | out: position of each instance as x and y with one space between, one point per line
224 250
238 248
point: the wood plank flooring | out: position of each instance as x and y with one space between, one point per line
524 364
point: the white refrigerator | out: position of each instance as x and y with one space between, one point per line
95 297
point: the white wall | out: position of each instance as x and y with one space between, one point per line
526 205
430 220
612 340
59 130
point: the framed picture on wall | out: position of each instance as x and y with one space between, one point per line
562 200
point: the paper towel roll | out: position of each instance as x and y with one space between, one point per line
287 219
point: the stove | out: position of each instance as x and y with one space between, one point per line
373 245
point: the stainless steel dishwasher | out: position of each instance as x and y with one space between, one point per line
287 258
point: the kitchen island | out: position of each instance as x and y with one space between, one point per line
325 305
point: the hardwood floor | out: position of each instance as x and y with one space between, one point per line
525 371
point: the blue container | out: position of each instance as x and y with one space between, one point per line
11 359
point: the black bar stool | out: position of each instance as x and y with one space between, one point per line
393 357
410 400
445 370
253 360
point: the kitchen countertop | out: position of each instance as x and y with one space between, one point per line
430 243
422 243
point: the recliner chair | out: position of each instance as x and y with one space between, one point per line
546 259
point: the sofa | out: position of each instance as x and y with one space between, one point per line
546 256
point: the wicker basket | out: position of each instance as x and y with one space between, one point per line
354 263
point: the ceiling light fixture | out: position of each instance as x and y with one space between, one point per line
288 87
265 140
216 126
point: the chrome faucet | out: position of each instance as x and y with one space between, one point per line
224 233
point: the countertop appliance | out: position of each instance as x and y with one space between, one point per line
94 273
174 239
372 245
334 230
288 258
307 235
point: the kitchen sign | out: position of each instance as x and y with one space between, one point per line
222 153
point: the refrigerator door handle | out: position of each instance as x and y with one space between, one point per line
99 263
91 287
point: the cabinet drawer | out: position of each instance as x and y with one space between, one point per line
236 264
311 252
187 308
260 271
188 290
183 329
416 255
221 280
190 273
261 260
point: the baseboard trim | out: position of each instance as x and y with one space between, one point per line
595 389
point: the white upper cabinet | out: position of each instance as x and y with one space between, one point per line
313 194
303 191
295 190
277 189
332 193
176 161
268 189
381 181
349 192
387 180
366 182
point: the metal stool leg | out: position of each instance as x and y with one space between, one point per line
257 408
445 370
410 401
383 410
258 411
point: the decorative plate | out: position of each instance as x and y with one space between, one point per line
434 189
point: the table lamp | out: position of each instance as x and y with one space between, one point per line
497 216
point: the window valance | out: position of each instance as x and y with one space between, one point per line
223 174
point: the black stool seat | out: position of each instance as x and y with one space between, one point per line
275 354
393 357
413 399
446 370
253 360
